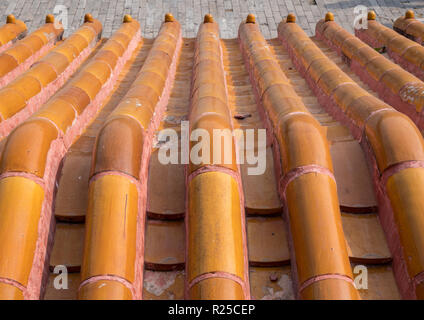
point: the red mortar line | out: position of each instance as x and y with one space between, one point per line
60 134
385 71
236 175
13 283
295 173
404 50
58 148
245 285
386 214
418 279
383 91
212 168
372 114
411 21
292 114
99 175
393 169
35 102
218 274
321 277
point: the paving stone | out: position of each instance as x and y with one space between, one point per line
190 13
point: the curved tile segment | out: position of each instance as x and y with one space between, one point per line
393 144
29 91
13 30
307 184
394 85
31 158
114 244
21 55
217 262
407 53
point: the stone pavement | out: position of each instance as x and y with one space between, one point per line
229 13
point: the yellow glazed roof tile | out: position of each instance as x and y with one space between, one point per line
331 185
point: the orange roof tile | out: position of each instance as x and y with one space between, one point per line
83 178
13 30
